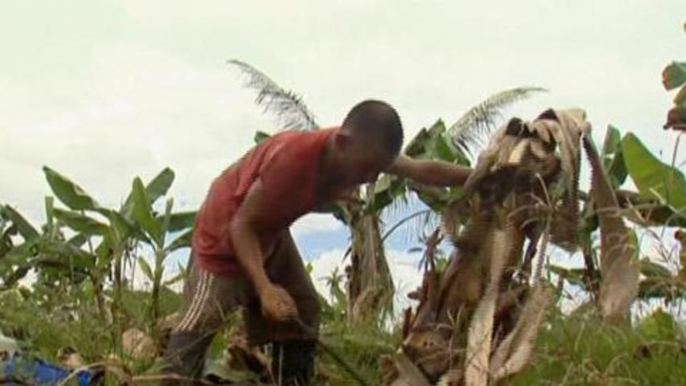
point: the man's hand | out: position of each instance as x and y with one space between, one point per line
277 303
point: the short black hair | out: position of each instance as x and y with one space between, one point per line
378 119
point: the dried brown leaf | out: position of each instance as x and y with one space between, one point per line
481 328
514 353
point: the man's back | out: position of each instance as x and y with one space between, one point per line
286 165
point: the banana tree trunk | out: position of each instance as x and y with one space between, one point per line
370 291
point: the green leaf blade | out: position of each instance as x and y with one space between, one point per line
145 268
680 98
674 75
260 136
180 221
183 241
159 186
80 222
24 227
142 213
654 179
67 191
654 270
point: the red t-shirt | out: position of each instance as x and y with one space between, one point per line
286 165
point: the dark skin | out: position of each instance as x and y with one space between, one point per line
348 161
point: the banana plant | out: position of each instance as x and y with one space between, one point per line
656 181
105 238
157 230
660 201
456 144
46 251
18 246
674 77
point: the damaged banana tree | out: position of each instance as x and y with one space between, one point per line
477 320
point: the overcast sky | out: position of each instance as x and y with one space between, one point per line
103 91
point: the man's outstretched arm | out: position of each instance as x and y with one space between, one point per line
437 173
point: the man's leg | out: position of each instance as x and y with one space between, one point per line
210 299
293 342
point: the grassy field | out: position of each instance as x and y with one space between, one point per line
572 350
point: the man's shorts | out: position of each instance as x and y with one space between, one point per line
211 299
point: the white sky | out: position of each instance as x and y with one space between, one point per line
105 90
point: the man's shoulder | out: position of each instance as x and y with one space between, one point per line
292 160
299 138
298 144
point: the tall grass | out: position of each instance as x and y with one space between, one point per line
580 350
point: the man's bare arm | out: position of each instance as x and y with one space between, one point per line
246 243
437 173
276 302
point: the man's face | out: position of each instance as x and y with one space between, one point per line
362 161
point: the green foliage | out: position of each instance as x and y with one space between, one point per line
387 190
654 179
260 136
674 75
182 241
580 350
659 326
103 241
573 276
71 194
159 186
142 213
45 320
361 347
180 221
81 223
654 270
134 301
155 189
20 224
435 143
335 282
145 268
613 157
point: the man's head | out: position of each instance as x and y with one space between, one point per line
369 141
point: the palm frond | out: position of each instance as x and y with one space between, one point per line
415 215
399 206
470 130
415 224
423 226
288 107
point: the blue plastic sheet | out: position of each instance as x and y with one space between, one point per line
40 372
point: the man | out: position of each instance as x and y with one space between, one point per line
243 253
